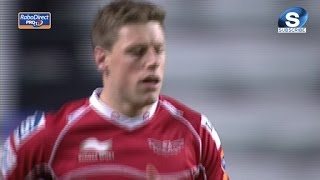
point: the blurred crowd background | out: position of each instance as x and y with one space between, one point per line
225 59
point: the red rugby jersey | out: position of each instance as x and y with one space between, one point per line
86 139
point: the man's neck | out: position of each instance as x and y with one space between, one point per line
123 107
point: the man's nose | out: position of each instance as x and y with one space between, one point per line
152 60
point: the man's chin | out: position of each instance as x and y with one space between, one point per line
150 98
145 98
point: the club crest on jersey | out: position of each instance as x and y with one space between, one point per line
166 147
93 150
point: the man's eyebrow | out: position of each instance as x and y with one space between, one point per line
146 44
137 45
158 44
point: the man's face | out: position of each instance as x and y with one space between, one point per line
136 63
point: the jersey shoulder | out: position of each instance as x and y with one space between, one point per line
198 120
47 122
182 110
66 112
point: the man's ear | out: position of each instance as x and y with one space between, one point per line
101 58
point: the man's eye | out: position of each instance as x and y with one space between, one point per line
159 50
138 51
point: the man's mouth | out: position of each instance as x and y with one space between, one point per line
151 79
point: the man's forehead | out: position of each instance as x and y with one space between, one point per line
132 27
141 33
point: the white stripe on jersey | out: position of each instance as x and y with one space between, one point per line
8 158
28 128
209 127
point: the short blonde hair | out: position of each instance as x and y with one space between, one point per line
119 13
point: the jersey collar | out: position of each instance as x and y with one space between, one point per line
107 111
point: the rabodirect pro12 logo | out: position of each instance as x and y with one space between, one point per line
292 20
34 20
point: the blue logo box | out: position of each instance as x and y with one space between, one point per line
34 20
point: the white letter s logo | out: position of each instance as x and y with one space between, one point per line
292 19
